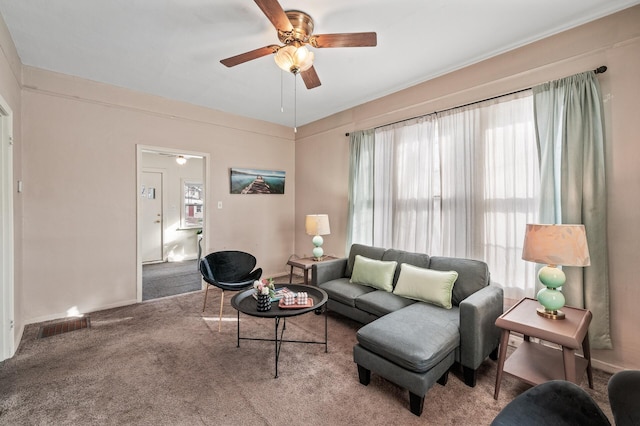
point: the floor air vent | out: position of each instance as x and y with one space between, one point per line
64 327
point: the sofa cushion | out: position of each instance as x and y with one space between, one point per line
401 256
426 285
416 337
380 303
366 251
341 290
473 275
374 273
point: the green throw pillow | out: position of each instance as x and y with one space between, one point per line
426 285
373 273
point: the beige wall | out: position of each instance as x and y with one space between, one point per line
322 148
79 157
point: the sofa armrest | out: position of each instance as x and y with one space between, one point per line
479 335
326 271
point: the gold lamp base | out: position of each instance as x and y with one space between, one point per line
556 315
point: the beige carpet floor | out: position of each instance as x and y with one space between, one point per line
163 362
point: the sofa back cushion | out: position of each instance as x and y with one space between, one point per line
420 260
362 250
473 275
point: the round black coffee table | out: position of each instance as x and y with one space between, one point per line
245 302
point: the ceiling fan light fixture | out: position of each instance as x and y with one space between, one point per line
181 160
294 59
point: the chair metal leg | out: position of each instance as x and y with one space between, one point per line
204 305
220 318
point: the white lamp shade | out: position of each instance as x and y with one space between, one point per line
556 245
317 224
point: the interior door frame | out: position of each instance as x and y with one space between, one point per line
206 180
7 258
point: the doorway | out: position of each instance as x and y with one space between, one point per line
171 219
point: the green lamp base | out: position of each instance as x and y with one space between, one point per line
317 250
550 297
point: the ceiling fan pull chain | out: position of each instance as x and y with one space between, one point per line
295 103
281 91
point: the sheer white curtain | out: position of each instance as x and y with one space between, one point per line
490 187
407 186
462 183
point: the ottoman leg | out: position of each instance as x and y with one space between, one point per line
469 376
364 375
416 403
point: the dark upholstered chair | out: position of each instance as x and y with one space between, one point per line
561 403
624 397
228 270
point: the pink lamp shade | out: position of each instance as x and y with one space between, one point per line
556 245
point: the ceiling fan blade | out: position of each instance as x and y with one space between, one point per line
344 40
249 56
275 13
310 78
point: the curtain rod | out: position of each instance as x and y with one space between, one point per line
599 70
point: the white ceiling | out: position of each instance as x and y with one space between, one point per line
172 48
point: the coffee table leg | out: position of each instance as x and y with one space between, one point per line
276 342
238 328
326 336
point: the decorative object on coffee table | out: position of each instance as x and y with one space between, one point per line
554 245
263 303
265 291
317 225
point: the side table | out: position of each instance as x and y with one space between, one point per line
305 263
535 363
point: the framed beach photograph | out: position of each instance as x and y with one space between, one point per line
256 181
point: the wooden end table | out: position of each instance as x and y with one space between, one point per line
305 263
535 363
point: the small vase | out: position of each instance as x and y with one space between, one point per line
264 303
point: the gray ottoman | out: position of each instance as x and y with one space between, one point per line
410 348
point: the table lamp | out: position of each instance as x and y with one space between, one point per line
317 225
554 245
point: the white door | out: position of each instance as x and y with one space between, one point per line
151 232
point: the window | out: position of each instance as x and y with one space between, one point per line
192 204
462 183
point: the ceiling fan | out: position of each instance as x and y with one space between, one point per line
295 31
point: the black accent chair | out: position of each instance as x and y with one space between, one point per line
562 403
228 270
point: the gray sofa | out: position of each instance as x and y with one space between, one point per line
476 304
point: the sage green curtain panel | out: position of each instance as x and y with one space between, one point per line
360 217
570 133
